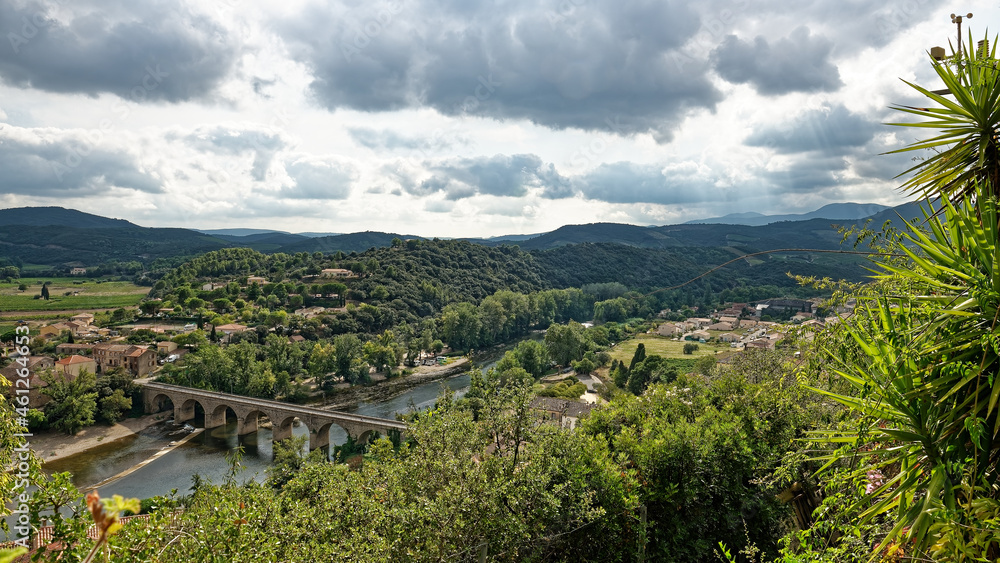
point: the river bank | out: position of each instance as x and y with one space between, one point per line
389 388
52 445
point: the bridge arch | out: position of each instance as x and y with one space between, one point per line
250 422
319 437
159 402
281 427
364 437
184 409
218 415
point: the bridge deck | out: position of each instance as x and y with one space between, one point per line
289 407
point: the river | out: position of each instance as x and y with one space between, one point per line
205 455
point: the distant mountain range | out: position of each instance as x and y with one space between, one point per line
54 236
836 211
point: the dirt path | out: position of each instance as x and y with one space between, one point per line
50 313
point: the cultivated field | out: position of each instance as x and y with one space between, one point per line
662 346
83 295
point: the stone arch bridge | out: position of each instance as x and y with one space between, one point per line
249 409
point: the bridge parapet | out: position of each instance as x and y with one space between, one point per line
249 409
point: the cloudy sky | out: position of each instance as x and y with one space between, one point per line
457 117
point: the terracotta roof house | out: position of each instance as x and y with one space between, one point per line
720 326
138 360
669 329
52 330
72 365
699 335
85 318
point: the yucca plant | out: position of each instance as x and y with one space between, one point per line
927 385
928 393
967 149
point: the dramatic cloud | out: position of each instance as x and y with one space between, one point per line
453 118
604 66
832 130
797 63
61 164
157 50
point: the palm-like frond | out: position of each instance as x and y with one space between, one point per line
931 385
967 150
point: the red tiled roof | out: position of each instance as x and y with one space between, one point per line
74 359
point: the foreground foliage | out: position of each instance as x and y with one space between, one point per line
697 454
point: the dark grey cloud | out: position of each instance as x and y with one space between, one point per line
263 143
797 63
498 175
606 66
809 174
628 182
833 130
319 179
67 164
140 51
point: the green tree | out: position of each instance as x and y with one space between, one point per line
73 401
638 356
282 355
533 356
347 349
584 366
460 326
690 348
115 405
565 342
322 361
253 291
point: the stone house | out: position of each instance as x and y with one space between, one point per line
563 412
73 365
137 360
